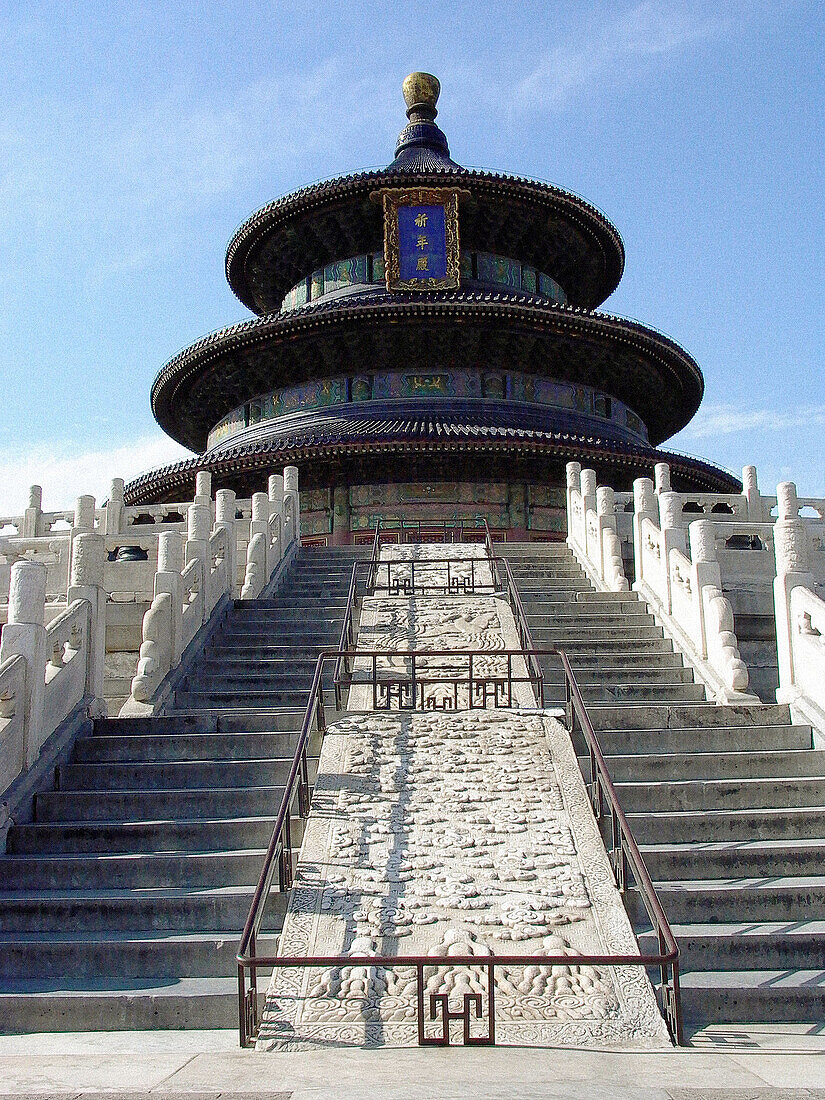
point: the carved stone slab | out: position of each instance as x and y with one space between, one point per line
455 834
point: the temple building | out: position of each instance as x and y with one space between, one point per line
427 349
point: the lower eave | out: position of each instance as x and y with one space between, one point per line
149 487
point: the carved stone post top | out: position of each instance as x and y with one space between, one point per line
644 499
27 593
661 475
605 501
203 485
170 552
702 535
787 500
749 480
670 511
36 496
275 488
260 508
290 479
791 540
88 555
116 491
588 483
84 513
198 522
225 506
574 474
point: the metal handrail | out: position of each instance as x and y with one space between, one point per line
622 850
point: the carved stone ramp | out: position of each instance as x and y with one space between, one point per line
455 834
452 834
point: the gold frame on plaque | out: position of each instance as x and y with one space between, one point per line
392 198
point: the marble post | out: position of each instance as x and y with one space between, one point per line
24 634
86 583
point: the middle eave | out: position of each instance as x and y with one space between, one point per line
435 331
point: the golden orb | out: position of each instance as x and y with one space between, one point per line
421 90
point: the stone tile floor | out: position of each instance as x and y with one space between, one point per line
189 1065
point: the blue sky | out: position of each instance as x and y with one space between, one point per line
135 137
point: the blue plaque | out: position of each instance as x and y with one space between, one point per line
421 245
422 242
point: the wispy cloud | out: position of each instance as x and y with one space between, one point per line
611 48
716 420
136 169
66 470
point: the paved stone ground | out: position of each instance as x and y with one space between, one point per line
187 1065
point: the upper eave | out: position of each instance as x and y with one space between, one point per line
535 222
649 371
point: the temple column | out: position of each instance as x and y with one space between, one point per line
340 515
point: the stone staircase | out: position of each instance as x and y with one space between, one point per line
727 802
122 902
618 653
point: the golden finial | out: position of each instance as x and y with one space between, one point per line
421 91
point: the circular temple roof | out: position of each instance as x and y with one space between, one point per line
646 370
538 223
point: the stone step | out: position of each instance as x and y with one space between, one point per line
253 677
220 910
312 612
188 746
549 574
770 764
754 996
743 945
654 694
131 838
173 775
776 899
717 826
730 860
184 1004
704 739
229 700
171 805
597 674
285 719
624 659
101 957
152 870
287 659
722 794
595 619
325 636
566 610
680 717
263 652
612 650
576 634
586 601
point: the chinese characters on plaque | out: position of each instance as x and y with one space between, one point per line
421 246
422 242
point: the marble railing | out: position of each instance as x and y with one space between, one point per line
678 575
131 536
195 576
592 529
800 613
47 672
